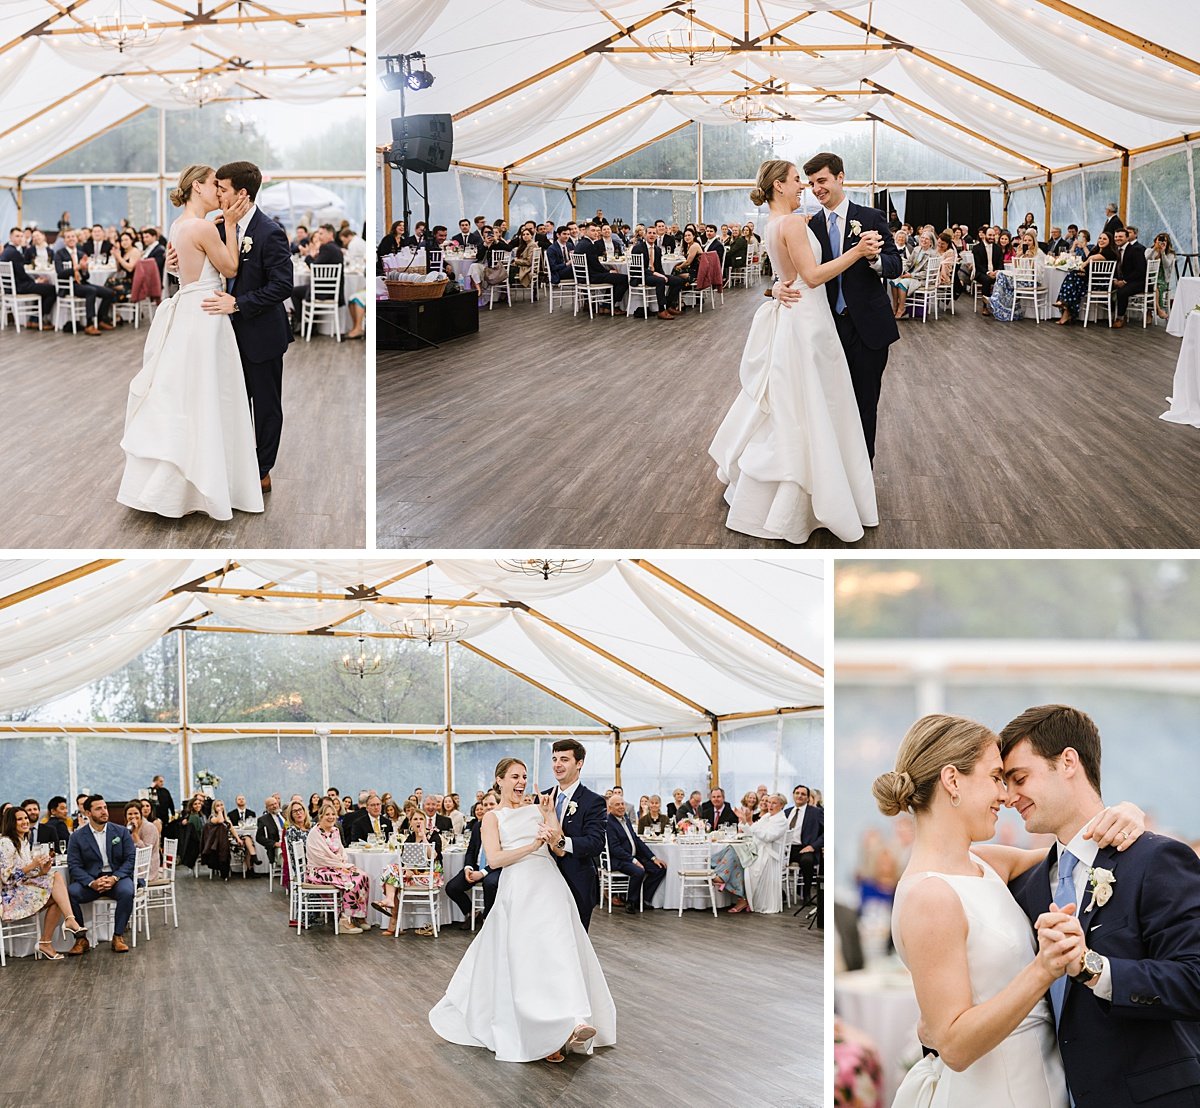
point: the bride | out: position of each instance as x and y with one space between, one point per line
189 441
530 985
980 977
791 449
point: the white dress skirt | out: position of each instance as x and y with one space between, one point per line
531 976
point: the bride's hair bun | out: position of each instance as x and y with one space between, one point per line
177 198
893 792
768 174
757 198
189 177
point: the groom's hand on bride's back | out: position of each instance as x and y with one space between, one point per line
172 259
784 293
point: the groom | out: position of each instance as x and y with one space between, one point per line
582 820
255 300
858 299
1128 1013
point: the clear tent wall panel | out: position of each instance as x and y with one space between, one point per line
35 765
258 765
780 752
662 765
475 762
116 766
484 694
386 763
1162 197
1066 206
669 159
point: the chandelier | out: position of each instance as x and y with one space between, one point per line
122 30
202 89
359 663
432 628
545 568
688 40
746 108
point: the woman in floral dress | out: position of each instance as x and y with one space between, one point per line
327 865
27 884
1071 292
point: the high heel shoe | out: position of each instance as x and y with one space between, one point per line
50 955
72 932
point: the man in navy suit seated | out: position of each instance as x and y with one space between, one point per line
1128 1008
598 274
15 253
558 257
475 869
632 857
100 858
806 834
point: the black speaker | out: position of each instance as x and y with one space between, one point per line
422 143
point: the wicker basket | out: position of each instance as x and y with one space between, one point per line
416 290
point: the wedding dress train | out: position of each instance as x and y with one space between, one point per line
531 975
791 449
189 439
1025 1070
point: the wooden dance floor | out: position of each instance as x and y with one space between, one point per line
61 461
548 431
709 1011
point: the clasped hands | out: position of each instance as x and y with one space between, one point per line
869 246
549 830
104 883
1061 944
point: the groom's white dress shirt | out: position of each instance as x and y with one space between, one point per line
841 212
1085 850
568 793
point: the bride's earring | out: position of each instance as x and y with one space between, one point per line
955 800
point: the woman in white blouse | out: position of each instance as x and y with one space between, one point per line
451 811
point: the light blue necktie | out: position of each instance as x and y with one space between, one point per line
835 250
1064 894
559 805
482 856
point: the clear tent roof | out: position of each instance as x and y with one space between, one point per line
59 87
1032 49
65 623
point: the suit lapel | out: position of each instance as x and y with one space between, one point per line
1105 859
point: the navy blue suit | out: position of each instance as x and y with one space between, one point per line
458 888
869 325
559 260
585 828
811 832
84 865
97 299
262 287
1143 1047
644 875
26 285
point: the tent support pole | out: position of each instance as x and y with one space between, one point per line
699 173
617 756
714 769
449 725
185 745
504 194
1049 198
386 171
1124 208
162 168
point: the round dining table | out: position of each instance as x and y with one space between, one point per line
373 861
1185 387
353 281
667 894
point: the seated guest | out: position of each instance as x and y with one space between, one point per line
690 248
239 817
186 835
395 875
71 262
666 286
989 261
737 251
750 804
38 253
946 259
545 235
352 246
125 256
1029 247
100 858
296 830
392 243
715 812
97 247
1007 246
751 869
463 238
665 239
558 257
241 814
1130 277
1056 244
475 868
55 830
654 819
913 275
321 250
270 828
217 841
25 284
314 807
143 833
611 245
368 820
452 812
1074 286
598 274
713 243
675 804
521 267
434 819
34 811
500 235
153 249
28 885
300 239
806 838
632 857
436 240
691 810
327 865
149 817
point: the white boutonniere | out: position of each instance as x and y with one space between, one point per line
116 839
571 808
247 242
855 228
1101 882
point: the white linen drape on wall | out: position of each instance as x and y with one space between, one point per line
41 678
28 630
13 64
732 651
603 687
897 197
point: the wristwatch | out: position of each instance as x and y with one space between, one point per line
1093 967
562 842
235 307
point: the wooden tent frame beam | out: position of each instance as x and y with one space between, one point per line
635 150
204 21
752 50
580 131
51 583
737 621
1145 45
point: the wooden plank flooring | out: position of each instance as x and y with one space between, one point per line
548 431
234 1007
60 457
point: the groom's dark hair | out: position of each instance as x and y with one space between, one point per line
573 745
242 175
832 162
1050 729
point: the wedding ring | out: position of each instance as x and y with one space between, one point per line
1124 834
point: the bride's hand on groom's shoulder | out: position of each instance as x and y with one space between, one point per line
1121 826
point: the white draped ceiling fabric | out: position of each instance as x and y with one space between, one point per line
58 88
1012 88
634 645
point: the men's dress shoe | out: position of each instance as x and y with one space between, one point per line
106 326
631 908
80 947
47 326
119 945
266 483
1118 323
91 329
618 311
665 315
639 314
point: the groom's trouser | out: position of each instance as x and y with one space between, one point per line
458 889
866 374
264 386
646 879
121 892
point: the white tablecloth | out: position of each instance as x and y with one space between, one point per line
882 1004
462 269
621 265
374 862
1185 389
1051 278
667 894
353 282
1187 296
97 274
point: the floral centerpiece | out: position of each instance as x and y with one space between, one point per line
207 781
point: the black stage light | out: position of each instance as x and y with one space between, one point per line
392 81
420 79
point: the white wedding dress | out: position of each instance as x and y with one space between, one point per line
1025 1070
189 440
791 449
531 975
